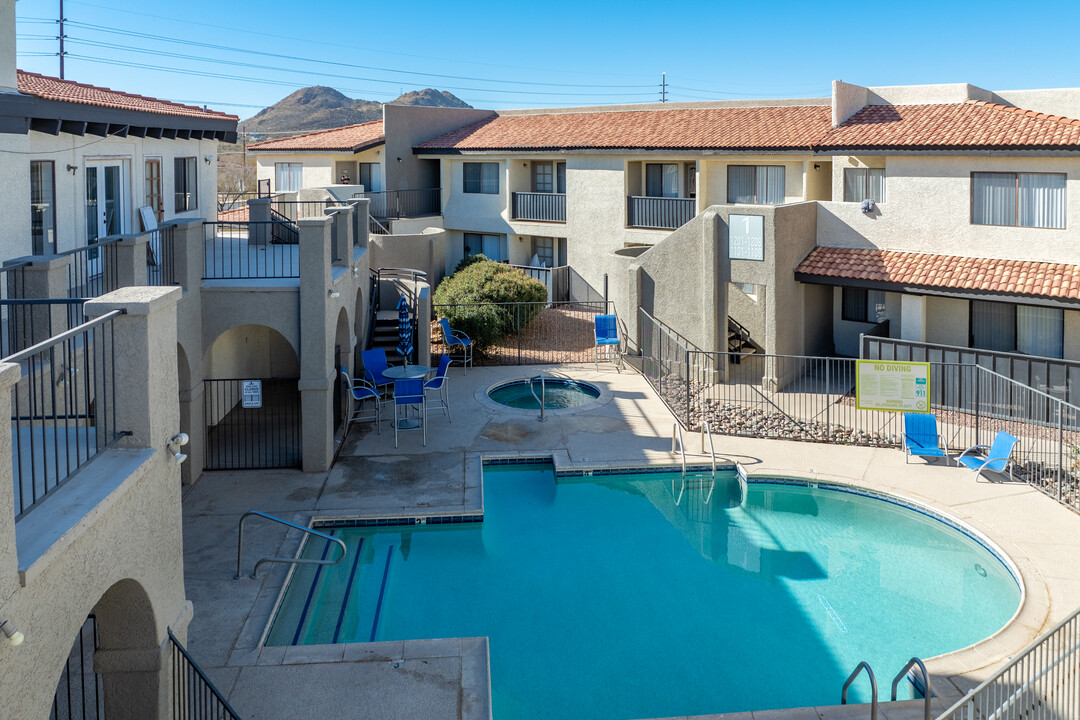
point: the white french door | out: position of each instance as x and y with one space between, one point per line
107 199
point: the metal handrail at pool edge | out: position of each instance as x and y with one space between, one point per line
291 561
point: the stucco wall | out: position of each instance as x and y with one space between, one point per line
321 169
947 321
251 351
715 170
409 125
421 251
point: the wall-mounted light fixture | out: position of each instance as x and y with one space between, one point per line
356 272
817 166
175 443
334 293
207 159
399 159
72 168
13 636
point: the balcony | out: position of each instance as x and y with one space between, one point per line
398 204
538 206
657 213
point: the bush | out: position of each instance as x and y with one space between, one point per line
470 260
474 299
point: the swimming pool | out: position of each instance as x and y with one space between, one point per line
603 598
558 393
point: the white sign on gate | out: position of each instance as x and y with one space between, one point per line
251 394
746 237
892 385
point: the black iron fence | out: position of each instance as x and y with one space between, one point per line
253 432
249 250
27 322
543 207
530 333
813 399
161 256
294 210
659 213
80 694
94 269
63 408
194 697
404 203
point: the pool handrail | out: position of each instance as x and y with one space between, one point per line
873 687
292 561
676 434
912 663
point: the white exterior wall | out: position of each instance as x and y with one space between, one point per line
65 149
319 167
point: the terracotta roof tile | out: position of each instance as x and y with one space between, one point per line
50 88
704 128
1019 277
351 138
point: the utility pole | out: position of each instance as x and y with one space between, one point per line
61 38
663 85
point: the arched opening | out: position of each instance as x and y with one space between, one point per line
360 326
251 400
183 382
342 359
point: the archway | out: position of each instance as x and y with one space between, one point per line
251 400
342 359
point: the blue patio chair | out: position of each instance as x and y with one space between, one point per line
455 338
921 436
374 366
438 384
409 393
607 337
358 391
998 455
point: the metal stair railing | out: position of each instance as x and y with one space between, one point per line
290 561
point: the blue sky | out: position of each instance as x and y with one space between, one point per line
512 55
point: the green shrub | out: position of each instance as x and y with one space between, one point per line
474 299
470 260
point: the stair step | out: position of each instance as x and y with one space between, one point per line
387 315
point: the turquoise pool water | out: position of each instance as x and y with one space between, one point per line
603 598
558 394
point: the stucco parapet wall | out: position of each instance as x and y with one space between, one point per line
315 221
9 375
133 301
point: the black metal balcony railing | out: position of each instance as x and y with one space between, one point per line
94 269
659 213
160 257
249 250
542 207
404 203
194 697
29 321
293 210
63 410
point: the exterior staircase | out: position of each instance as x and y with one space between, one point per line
739 340
384 334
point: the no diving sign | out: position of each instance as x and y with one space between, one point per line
251 394
897 386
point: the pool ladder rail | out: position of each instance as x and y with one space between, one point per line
287 560
678 442
909 666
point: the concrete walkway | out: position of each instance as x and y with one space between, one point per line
628 425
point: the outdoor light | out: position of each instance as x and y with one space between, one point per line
206 159
72 168
356 272
14 636
175 443
334 293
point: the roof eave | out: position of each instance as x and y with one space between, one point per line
936 290
352 149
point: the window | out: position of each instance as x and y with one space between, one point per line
185 184
1018 199
544 251
152 184
661 180
288 177
862 305
491 246
42 207
1027 329
864 184
543 180
560 177
756 184
367 176
481 177
691 180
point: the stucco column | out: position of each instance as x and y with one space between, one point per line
45 277
316 345
189 249
717 266
9 562
913 317
131 260
259 212
145 362
193 422
422 332
361 213
340 217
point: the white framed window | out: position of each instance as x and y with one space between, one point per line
661 180
493 247
1027 329
756 184
185 184
288 177
544 251
152 187
864 184
543 180
1035 200
480 177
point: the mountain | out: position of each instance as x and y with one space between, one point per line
319 108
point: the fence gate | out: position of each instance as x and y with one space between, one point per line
79 694
252 423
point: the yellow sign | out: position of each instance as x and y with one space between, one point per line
892 385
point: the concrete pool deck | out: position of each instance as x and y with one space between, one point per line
628 425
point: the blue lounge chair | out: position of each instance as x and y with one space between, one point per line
998 455
438 384
409 393
374 366
359 391
455 338
607 337
921 436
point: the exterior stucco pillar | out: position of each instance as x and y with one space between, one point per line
341 217
422 331
189 250
361 211
316 345
45 277
131 260
259 212
9 561
913 317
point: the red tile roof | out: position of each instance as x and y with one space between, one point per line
1019 277
965 125
700 128
351 138
50 88
970 124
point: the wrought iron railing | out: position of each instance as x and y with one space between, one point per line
29 321
659 213
404 203
293 210
161 256
1041 683
63 409
542 207
80 694
813 399
194 697
249 250
94 269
